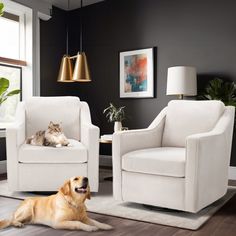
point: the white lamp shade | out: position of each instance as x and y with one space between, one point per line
181 80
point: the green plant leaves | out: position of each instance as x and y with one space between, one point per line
4 85
13 92
114 114
217 89
4 94
1 8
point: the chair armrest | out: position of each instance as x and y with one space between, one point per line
15 133
89 134
207 162
130 140
15 136
127 141
90 138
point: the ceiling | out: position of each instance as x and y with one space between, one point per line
63 4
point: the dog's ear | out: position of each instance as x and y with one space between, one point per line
88 194
65 189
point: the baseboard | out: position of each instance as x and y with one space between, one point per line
105 160
232 172
3 167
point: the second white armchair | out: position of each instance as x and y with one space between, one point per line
180 161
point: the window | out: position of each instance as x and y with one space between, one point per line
10 41
12 46
12 56
21 19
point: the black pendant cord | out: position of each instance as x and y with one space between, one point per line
67 30
67 41
81 26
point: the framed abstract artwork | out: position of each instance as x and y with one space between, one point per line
136 74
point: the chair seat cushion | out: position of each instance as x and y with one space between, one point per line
77 153
167 161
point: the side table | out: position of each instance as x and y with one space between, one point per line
106 139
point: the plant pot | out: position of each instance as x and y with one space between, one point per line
117 126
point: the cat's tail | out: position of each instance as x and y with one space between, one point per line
4 224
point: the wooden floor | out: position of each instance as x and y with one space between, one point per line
223 223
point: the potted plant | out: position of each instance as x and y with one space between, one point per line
116 115
217 89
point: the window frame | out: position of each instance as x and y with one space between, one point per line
33 11
22 40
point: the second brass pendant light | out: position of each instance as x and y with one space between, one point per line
81 70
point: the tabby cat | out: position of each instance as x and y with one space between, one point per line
53 136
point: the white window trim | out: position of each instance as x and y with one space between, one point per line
33 11
25 14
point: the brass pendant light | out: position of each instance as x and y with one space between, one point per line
65 73
66 68
81 71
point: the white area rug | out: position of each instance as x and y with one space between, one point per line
104 203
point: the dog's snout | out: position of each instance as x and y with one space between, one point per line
85 180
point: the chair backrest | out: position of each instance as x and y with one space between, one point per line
41 110
185 118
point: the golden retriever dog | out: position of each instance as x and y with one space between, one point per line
64 210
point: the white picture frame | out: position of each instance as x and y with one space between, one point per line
137 73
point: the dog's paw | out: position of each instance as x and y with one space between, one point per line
69 145
58 145
105 227
18 224
90 228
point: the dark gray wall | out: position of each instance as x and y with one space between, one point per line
52 48
200 33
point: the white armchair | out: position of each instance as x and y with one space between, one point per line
180 161
36 168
